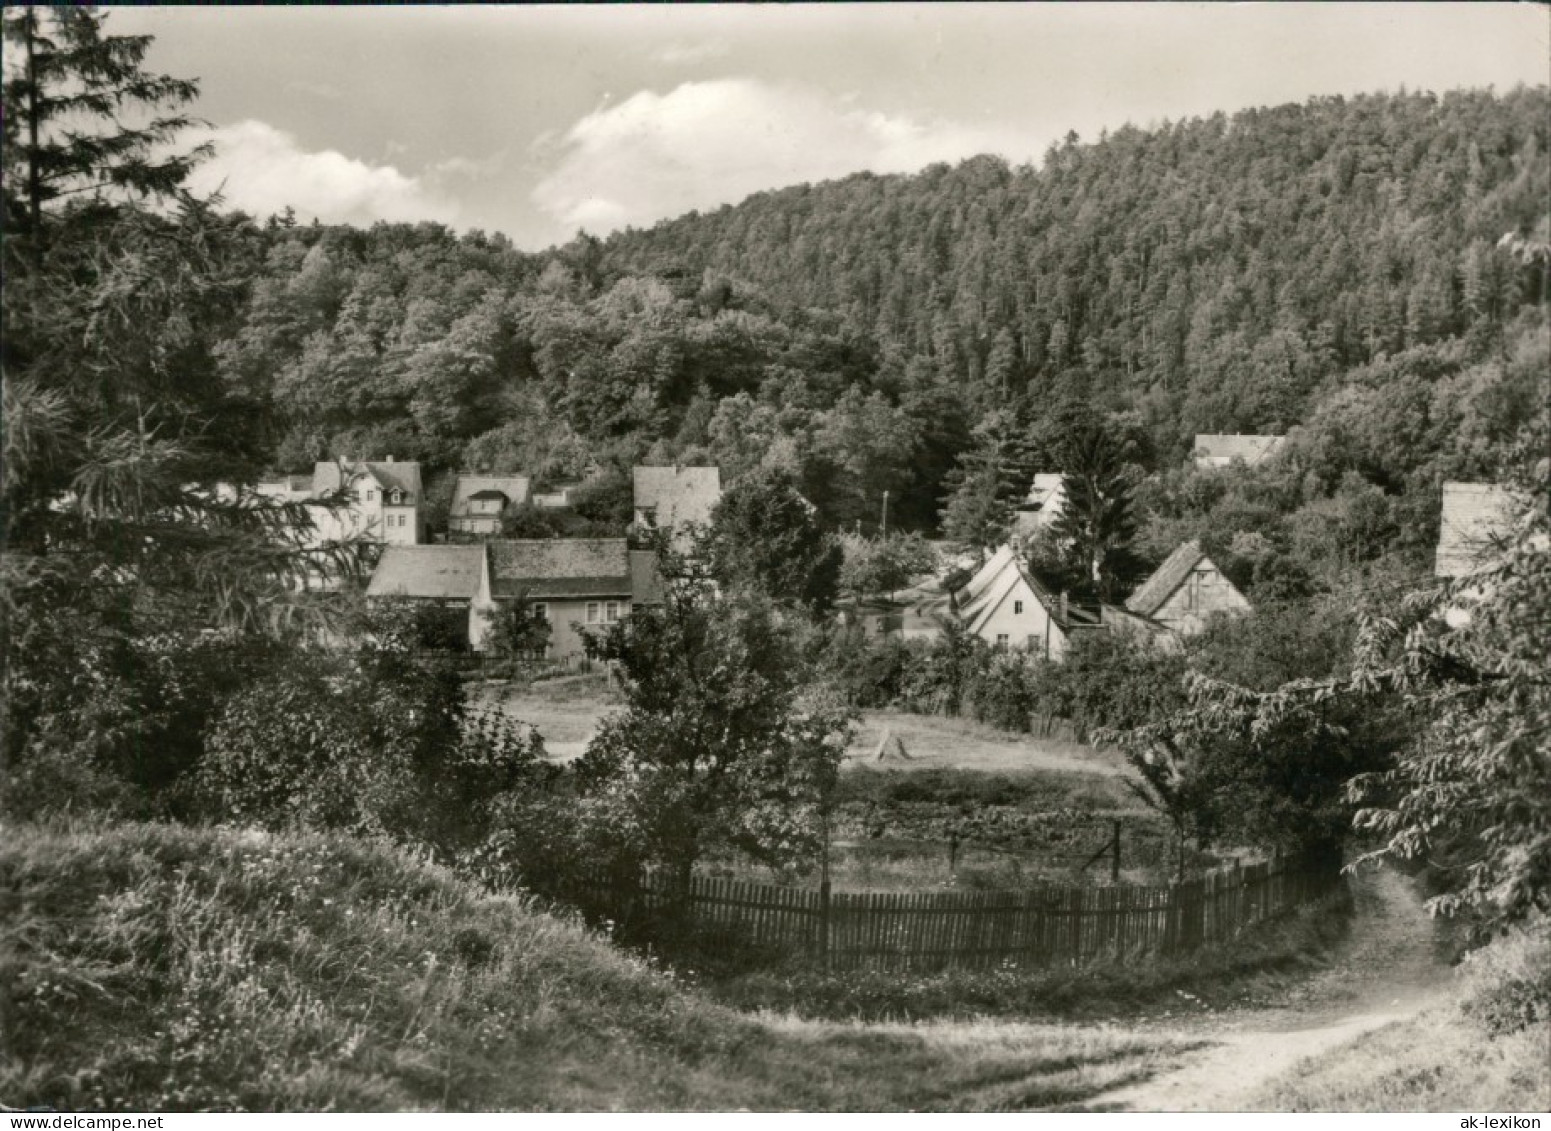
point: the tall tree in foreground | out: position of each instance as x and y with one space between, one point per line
69 92
131 555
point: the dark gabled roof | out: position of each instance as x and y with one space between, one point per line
327 476
561 567
1157 589
449 573
1477 517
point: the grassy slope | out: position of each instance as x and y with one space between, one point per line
159 968
1487 1051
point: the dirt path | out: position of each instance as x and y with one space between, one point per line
1391 968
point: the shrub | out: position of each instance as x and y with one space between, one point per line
1508 984
376 741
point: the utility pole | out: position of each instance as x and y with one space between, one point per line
885 514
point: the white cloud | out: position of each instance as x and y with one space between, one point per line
708 143
260 170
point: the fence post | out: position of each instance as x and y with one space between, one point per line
824 925
1076 903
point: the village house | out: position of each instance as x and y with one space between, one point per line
1042 506
1185 591
1218 450
1476 526
480 501
283 488
385 501
558 497
446 576
673 498
1139 629
1007 607
1476 521
573 583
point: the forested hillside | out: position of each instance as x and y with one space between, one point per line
1333 266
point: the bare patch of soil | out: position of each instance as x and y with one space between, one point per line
1392 967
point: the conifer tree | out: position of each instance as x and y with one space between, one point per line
132 549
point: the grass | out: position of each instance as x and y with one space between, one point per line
1489 1050
567 710
1258 965
938 742
161 968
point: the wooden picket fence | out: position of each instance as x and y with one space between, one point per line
1048 925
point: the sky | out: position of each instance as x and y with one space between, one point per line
537 121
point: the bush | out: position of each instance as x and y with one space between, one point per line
1109 680
1508 984
1003 695
376 742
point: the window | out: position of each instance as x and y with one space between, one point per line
610 612
1017 606
540 610
371 496
593 611
1001 642
401 519
1193 590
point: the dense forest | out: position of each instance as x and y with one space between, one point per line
1332 270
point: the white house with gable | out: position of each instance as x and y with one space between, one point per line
385 501
1007 607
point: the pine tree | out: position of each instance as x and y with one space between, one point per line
131 551
67 98
1096 524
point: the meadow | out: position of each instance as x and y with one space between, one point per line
566 710
159 968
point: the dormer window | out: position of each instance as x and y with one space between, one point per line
397 497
